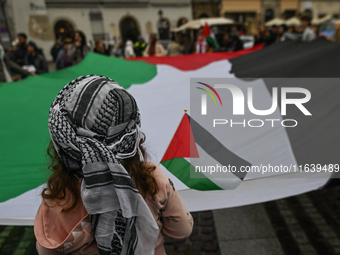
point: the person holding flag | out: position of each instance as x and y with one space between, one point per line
205 37
210 36
200 44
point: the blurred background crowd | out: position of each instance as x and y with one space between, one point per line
201 26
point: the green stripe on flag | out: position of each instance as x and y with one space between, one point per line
181 169
212 41
125 72
24 112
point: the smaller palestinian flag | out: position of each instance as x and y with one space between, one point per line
210 36
192 148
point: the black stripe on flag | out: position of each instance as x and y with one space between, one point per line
216 149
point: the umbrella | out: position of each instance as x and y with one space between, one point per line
294 21
275 21
197 23
319 21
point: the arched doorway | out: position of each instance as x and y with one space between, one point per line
181 22
203 15
63 29
129 29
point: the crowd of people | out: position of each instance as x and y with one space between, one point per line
305 33
26 58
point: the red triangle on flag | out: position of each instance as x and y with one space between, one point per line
206 31
183 143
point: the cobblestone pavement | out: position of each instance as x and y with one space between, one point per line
203 239
307 224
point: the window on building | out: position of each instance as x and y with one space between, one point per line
129 29
148 26
308 12
97 26
246 21
113 29
181 22
289 13
268 15
64 30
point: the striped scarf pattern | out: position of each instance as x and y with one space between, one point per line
94 123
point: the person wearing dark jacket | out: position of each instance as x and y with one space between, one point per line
236 43
7 67
57 47
272 36
78 50
36 58
63 60
20 52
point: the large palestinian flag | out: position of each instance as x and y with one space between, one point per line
161 87
191 141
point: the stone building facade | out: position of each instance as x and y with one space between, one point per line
45 20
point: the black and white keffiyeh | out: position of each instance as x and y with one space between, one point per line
94 123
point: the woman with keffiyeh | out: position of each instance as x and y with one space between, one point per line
103 197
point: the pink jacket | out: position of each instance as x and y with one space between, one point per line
64 233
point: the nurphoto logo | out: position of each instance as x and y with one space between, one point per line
239 99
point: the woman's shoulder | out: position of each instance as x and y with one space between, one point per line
158 173
165 186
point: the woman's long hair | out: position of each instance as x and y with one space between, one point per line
152 47
82 36
61 184
99 46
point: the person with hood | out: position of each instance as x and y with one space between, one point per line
103 195
79 48
128 50
36 58
154 48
